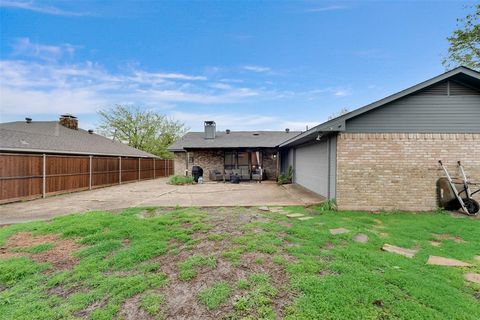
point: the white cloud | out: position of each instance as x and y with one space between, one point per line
240 122
41 8
326 8
32 87
24 47
258 69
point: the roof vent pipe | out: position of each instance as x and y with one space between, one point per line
28 120
287 130
90 131
227 131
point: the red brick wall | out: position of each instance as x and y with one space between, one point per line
390 171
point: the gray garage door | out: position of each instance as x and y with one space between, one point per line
311 167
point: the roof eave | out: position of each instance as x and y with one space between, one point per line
23 150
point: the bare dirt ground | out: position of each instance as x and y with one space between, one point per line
182 296
59 256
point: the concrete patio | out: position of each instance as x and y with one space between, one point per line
158 193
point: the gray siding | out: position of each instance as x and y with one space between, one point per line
315 166
444 108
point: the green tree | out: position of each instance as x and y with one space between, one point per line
465 42
144 130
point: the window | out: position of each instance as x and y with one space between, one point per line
230 160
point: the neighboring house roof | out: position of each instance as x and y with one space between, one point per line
234 139
339 124
52 137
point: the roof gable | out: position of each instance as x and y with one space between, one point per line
462 74
51 137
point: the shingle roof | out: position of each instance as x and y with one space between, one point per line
234 139
51 137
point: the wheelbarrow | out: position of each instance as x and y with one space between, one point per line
462 192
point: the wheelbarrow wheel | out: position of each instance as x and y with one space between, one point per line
471 205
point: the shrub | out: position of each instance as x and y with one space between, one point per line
181 180
285 178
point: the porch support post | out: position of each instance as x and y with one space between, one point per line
119 170
138 169
90 173
44 176
153 168
278 164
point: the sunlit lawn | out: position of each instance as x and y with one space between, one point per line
237 263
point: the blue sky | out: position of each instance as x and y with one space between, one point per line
246 65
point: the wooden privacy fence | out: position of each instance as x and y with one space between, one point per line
29 176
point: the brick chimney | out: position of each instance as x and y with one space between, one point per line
69 121
210 129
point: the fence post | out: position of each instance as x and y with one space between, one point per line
153 168
119 170
90 173
138 169
44 176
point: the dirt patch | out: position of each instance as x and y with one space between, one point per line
64 291
90 308
131 310
328 272
182 296
60 256
476 295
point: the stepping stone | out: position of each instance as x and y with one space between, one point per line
305 218
435 243
263 209
339 231
447 262
409 253
473 277
361 238
295 215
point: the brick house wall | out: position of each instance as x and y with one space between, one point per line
206 159
214 160
390 171
179 163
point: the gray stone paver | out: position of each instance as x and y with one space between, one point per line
473 277
361 238
447 262
305 218
409 253
339 231
295 215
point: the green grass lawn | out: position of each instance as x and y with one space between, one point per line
237 263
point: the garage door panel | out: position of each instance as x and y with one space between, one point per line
311 167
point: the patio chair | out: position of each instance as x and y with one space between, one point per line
258 175
244 174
